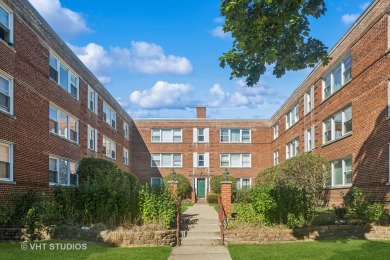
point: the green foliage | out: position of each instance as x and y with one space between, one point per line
271 32
243 195
91 167
268 176
215 183
184 186
360 208
247 214
323 217
212 198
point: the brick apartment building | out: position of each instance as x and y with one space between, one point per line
54 112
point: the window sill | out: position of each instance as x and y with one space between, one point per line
387 183
63 138
52 184
292 126
114 159
7 114
76 99
226 167
235 142
7 182
336 140
11 46
339 187
167 167
334 93
388 51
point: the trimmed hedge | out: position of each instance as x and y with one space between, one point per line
184 186
212 198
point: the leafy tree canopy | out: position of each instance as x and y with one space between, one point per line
271 32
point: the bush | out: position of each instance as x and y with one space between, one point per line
323 217
184 186
243 196
90 167
268 177
212 198
215 183
247 214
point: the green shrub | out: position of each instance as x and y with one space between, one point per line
212 198
90 167
268 177
184 186
323 217
243 196
247 214
215 183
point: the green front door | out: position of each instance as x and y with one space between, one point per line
201 187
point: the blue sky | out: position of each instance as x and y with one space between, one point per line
160 58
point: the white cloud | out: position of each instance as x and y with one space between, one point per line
96 59
349 18
150 58
364 5
64 21
162 95
219 33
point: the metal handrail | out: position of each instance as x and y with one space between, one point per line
223 221
178 228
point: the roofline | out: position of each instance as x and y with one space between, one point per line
199 119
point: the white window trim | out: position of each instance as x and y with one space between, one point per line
292 144
311 131
241 160
11 23
111 116
330 72
239 182
95 101
125 158
156 178
57 158
206 132
388 30
166 129
309 95
332 126
126 129
388 90
11 160
276 156
68 115
276 131
293 112
95 148
229 136
112 144
11 93
343 159
196 160
69 72
169 166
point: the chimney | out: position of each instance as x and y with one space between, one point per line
200 112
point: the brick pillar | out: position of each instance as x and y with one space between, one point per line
226 197
193 197
173 186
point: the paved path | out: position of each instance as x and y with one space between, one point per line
202 239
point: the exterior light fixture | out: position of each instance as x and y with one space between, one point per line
226 174
173 175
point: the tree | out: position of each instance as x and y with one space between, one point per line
271 32
184 186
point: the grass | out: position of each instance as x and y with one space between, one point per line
185 205
331 249
215 206
92 251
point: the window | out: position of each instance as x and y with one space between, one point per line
243 183
59 73
338 125
341 172
109 115
156 181
6 162
62 171
125 156
63 125
6 25
201 159
166 135
109 148
276 157
6 94
92 138
166 160
309 139
309 100
235 160
200 134
235 136
292 116
292 148
338 77
126 130
92 100
276 131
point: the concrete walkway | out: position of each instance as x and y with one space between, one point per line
201 236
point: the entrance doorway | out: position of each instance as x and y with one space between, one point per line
201 188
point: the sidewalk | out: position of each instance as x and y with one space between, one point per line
201 239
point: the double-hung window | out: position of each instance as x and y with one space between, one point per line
125 156
341 172
63 124
337 125
109 115
62 171
92 100
309 139
201 159
92 138
309 100
63 76
292 116
235 160
337 77
166 135
235 136
276 157
126 130
201 135
276 131
6 25
6 95
164 160
156 181
292 148
243 183
6 161
109 148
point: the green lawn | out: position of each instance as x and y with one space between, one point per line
92 251
185 205
214 205
330 249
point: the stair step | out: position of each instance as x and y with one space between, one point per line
187 241
204 235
